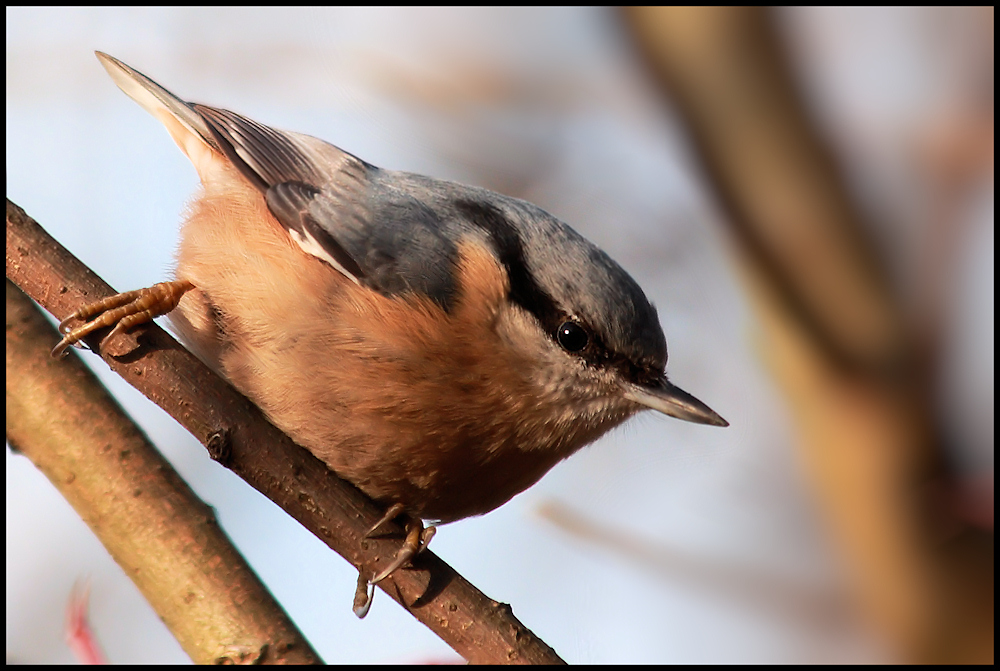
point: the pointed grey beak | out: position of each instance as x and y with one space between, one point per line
674 401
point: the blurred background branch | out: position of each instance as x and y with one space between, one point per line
832 330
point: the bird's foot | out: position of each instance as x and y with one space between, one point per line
123 311
417 539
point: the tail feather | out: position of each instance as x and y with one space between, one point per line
189 129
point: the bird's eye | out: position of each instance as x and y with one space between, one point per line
572 336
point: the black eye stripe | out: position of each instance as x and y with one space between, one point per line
523 289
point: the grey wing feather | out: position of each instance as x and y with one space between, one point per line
342 209
404 243
264 155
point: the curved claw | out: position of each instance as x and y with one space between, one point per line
59 350
64 324
363 596
417 538
394 511
409 550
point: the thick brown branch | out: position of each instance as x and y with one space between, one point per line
161 534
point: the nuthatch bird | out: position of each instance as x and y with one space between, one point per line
440 346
